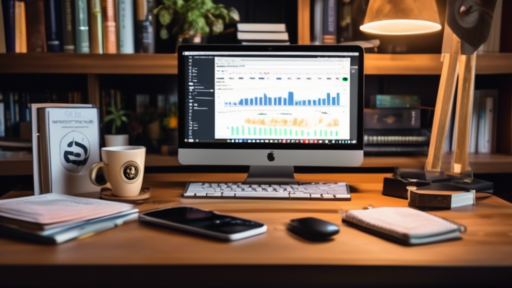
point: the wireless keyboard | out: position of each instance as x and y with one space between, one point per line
303 191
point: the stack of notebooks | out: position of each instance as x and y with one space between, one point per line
54 218
404 225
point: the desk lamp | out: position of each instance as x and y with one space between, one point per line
468 27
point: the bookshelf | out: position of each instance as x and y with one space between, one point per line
376 64
93 66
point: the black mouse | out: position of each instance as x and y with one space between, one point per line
313 229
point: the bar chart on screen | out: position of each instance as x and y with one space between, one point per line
275 99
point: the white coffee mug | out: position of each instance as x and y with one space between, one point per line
123 167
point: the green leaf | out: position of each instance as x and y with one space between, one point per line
124 119
217 27
164 34
168 2
233 15
165 16
124 112
118 122
108 118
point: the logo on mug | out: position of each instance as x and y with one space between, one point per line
130 172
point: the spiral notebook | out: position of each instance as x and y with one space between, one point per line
404 225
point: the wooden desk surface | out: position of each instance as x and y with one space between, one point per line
488 241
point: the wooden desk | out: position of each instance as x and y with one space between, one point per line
137 254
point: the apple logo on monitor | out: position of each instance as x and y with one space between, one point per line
270 156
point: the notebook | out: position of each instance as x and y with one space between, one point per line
404 225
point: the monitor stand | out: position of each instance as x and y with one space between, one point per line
270 175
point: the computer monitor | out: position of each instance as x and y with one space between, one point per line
270 107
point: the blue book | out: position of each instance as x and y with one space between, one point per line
8 8
53 15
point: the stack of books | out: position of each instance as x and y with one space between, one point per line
393 126
77 26
54 218
262 34
15 109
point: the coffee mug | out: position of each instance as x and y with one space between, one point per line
123 167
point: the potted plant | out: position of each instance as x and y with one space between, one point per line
117 116
194 18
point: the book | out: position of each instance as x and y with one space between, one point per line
392 118
493 41
55 218
20 30
404 225
69 144
109 26
81 27
34 106
396 137
317 36
8 8
145 40
36 35
2 30
260 36
53 23
68 29
95 27
487 119
2 116
440 199
330 22
126 26
395 101
261 27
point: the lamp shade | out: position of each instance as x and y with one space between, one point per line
401 17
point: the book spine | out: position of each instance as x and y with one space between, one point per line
392 119
109 27
68 33
330 22
486 127
15 114
395 101
81 27
145 31
8 7
2 116
96 27
125 25
53 26
20 27
2 30
318 21
36 35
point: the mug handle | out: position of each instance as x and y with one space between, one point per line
94 171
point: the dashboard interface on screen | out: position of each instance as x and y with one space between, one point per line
271 97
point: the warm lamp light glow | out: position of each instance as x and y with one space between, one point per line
400 27
404 17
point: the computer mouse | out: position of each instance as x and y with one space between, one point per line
313 229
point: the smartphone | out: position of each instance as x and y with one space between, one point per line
204 222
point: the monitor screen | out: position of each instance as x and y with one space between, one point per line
273 97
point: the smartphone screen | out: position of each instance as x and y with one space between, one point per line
204 220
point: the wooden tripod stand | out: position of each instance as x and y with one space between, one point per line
464 65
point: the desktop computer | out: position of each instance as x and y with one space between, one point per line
271 108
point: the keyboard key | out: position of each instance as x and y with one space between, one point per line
262 195
228 194
300 196
216 194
